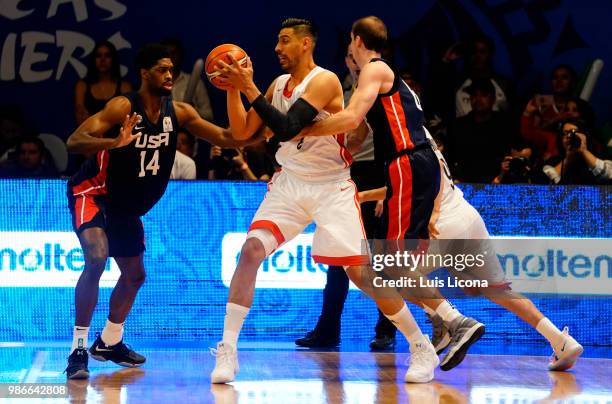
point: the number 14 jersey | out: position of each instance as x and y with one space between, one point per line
134 177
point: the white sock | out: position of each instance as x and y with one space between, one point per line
404 322
79 338
112 333
234 317
550 332
447 312
429 310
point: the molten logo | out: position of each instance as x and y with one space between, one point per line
289 267
45 259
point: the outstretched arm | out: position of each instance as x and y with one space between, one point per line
371 79
191 120
88 137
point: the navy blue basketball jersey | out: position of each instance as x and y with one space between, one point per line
397 120
134 177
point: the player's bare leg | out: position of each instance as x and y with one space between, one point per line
423 358
566 350
109 345
242 288
95 249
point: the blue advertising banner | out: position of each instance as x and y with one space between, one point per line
193 236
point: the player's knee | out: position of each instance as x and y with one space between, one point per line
262 239
136 279
95 258
253 251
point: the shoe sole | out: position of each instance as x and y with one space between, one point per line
214 380
79 375
443 344
453 359
124 364
567 362
429 378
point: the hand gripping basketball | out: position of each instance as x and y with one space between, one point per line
226 53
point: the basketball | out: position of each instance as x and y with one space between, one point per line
219 53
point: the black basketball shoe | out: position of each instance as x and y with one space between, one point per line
119 353
77 365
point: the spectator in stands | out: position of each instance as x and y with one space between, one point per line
12 128
479 66
576 164
200 100
546 137
184 167
31 161
102 82
543 113
517 166
478 141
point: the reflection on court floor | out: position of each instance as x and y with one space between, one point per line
288 376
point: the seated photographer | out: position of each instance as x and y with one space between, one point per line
517 167
572 166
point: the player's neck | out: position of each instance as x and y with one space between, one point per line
365 57
151 103
301 71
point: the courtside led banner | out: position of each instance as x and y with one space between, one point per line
45 259
531 265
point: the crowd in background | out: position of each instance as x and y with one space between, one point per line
485 131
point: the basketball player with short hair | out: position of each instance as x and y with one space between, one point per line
314 185
133 143
455 219
394 112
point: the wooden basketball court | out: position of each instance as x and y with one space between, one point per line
278 373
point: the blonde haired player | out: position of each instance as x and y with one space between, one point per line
314 185
454 218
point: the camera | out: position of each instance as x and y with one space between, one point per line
573 139
229 153
518 171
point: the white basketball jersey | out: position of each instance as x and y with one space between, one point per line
315 158
452 196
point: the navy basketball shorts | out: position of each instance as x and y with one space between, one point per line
413 182
124 232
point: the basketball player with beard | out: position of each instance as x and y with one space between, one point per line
132 142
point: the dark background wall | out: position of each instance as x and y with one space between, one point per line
531 37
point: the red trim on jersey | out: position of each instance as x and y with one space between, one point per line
345 155
356 199
95 185
85 209
271 182
342 261
400 203
271 226
397 121
286 91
